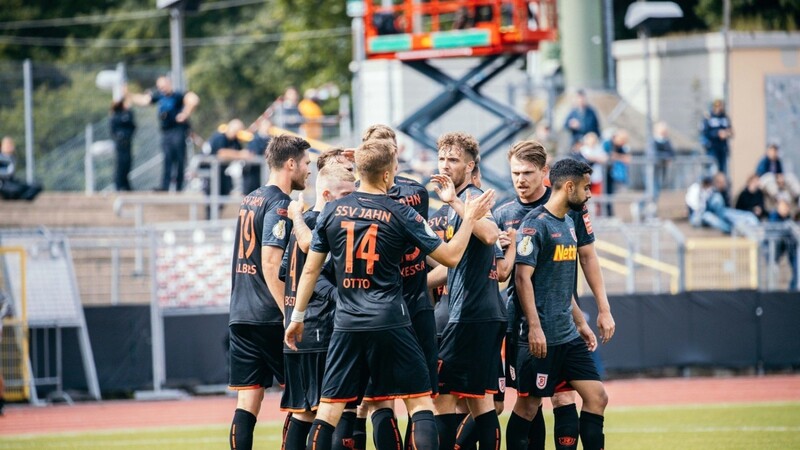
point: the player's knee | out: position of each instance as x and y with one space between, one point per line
563 398
527 407
304 416
419 404
250 400
596 401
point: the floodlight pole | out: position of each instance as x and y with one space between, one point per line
176 46
649 148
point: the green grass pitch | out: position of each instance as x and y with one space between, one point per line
740 426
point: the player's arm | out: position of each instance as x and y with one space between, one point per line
232 154
305 287
523 283
141 99
326 287
450 253
583 327
437 277
301 231
590 265
485 230
271 262
508 241
190 102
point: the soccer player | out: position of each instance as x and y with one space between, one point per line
470 346
367 234
256 314
305 366
555 340
529 171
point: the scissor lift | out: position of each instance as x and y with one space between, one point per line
497 31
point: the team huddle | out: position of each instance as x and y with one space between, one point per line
363 299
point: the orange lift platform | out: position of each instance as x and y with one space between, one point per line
498 32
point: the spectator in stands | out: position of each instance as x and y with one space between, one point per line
312 115
619 156
752 198
788 244
225 146
174 110
582 119
718 213
593 151
716 131
776 188
288 114
771 162
576 154
10 187
123 126
664 153
696 199
251 175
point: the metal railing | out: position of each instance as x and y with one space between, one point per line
772 240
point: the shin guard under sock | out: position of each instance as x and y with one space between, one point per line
517 432
296 435
241 434
360 434
319 437
566 427
592 431
487 427
385 433
424 435
343 435
446 424
466 439
537 433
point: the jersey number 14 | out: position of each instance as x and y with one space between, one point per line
366 249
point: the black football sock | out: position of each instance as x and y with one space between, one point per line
409 431
517 432
487 427
241 435
592 431
566 427
537 433
286 422
296 435
385 433
466 439
360 434
424 435
343 435
447 424
319 437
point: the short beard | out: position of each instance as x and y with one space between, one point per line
298 185
576 206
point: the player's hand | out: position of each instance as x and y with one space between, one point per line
296 207
477 208
507 237
350 154
588 336
446 189
606 326
293 335
537 343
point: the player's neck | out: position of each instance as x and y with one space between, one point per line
557 205
460 188
281 179
370 188
319 205
535 195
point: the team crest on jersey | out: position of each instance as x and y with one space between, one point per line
525 246
428 230
541 380
279 230
572 232
513 372
587 222
501 383
450 232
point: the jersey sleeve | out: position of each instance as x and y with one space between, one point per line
319 237
277 226
284 266
529 242
583 227
498 251
418 231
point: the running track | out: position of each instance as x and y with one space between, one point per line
128 414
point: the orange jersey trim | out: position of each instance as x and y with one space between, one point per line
399 396
338 400
298 411
246 388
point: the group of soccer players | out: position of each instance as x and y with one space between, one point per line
347 287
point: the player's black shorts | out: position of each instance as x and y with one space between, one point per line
256 355
510 352
500 395
304 372
392 358
469 358
564 362
424 325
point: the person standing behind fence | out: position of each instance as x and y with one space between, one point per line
10 187
716 131
582 119
123 125
312 115
174 110
620 157
664 154
251 175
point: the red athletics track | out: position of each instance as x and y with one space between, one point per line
129 414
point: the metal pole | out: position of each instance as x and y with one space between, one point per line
28 85
611 70
176 47
118 88
156 322
726 26
649 148
359 55
88 163
215 182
